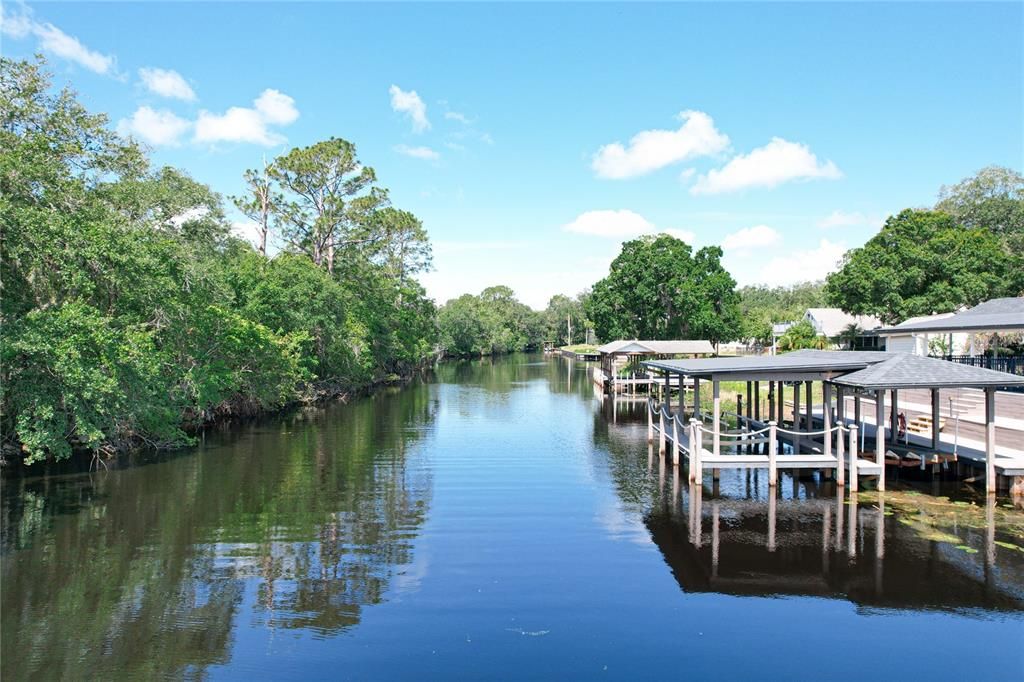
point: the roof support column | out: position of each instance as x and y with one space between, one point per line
757 400
841 420
667 399
682 398
880 436
771 401
796 406
826 416
808 385
717 411
990 441
894 417
935 419
696 398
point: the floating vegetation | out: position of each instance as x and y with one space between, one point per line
935 518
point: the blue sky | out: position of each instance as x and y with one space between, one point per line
533 139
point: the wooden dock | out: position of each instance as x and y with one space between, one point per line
686 440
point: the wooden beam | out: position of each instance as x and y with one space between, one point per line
935 419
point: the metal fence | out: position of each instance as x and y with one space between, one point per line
1011 364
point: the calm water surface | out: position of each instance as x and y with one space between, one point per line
496 520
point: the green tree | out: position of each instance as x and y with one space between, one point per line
327 193
761 307
993 200
658 289
802 335
920 263
565 322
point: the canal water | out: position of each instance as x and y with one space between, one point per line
494 520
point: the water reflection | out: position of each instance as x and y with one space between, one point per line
733 536
299 522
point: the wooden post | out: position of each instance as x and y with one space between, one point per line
650 422
894 417
853 458
661 435
716 402
696 398
935 420
840 419
668 395
808 385
696 452
771 400
773 446
771 519
739 410
990 441
757 401
781 396
826 417
675 441
682 398
750 401
880 436
796 417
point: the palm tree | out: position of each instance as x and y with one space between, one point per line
850 334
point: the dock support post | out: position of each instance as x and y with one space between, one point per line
661 429
696 452
650 422
773 447
894 417
771 401
809 407
682 398
675 441
826 417
796 417
716 401
757 400
841 420
781 396
990 441
935 420
853 458
696 398
880 437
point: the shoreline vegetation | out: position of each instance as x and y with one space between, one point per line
132 315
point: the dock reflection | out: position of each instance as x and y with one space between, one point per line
829 546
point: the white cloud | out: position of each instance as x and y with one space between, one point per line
457 116
749 238
650 150
56 42
848 219
242 124
803 266
158 128
276 107
623 223
425 153
167 83
248 230
410 104
777 162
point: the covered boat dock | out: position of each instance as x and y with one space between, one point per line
767 441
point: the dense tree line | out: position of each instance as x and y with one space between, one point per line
967 249
492 323
761 307
658 288
129 311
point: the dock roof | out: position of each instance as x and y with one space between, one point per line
997 314
903 370
676 347
815 362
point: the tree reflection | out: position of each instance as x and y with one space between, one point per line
144 571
